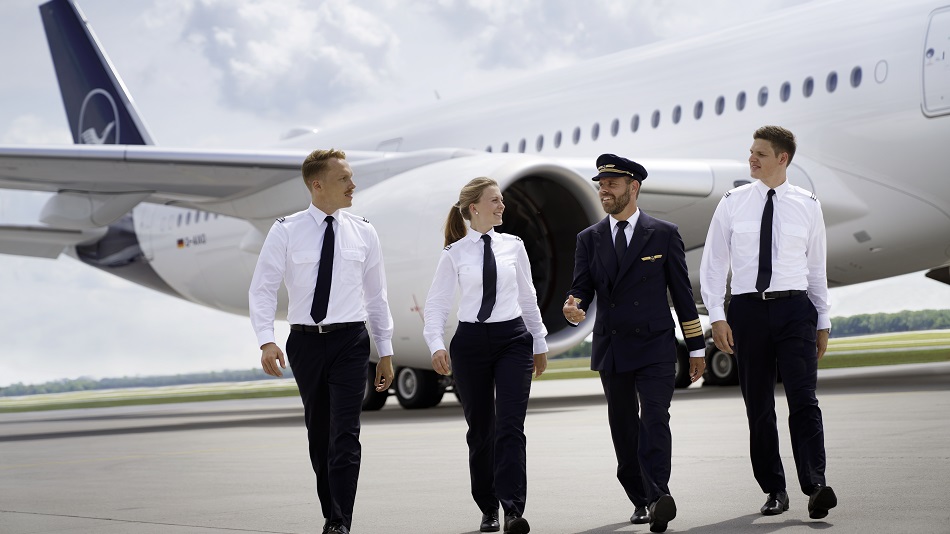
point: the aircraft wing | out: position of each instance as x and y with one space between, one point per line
94 185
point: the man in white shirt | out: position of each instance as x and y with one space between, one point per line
332 265
772 235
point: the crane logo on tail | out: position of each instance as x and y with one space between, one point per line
98 114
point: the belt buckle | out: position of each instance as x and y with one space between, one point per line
320 329
766 298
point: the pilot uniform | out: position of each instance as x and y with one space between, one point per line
329 361
492 359
634 347
774 327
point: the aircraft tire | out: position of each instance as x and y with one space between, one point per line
722 369
418 388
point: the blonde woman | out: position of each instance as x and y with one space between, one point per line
497 346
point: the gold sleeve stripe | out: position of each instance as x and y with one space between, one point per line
690 324
690 332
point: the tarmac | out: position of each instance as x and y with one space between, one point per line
242 466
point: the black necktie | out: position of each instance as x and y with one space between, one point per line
764 278
620 242
489 277
321 294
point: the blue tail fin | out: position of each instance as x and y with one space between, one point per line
99 109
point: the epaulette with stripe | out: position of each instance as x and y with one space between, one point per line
447 247
281 219
814 196
727 194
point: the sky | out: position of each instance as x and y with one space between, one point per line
240 73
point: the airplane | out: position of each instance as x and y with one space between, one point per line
868 99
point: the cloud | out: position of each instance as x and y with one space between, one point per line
288 58
34 130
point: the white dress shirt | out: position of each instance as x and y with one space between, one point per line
291 253
798 247
461 266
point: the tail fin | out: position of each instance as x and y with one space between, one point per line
99 109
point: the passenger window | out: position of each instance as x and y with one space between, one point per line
786 92
615 127
763 96
577 134
635 123
539 144
521 145
595 131
677 113
808 87
504 147
740 101
698 110
832 82
557 139
720 105
655 121
855 77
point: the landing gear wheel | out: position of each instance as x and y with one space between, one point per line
417 388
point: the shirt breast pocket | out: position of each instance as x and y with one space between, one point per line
794 242
304 267
351 266
745 238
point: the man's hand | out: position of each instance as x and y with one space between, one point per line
696 368
441 363
571 312
270 355
722 336
540 364
822 342
384 373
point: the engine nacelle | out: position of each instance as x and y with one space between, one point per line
545 204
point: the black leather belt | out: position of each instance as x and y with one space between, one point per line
772 295
324 328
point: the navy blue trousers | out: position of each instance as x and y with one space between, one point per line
331 371
780 334
492 365
638 409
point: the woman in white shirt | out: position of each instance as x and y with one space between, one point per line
499 342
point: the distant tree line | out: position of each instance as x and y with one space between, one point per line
856 325
880 323
86 383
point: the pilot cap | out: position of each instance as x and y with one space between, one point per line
612 166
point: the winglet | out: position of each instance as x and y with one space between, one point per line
98 106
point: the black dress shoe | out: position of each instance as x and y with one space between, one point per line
820 501
662 511
326 526
776 503
515 524
490 522
338 529
641 516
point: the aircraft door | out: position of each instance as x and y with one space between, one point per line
936 64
